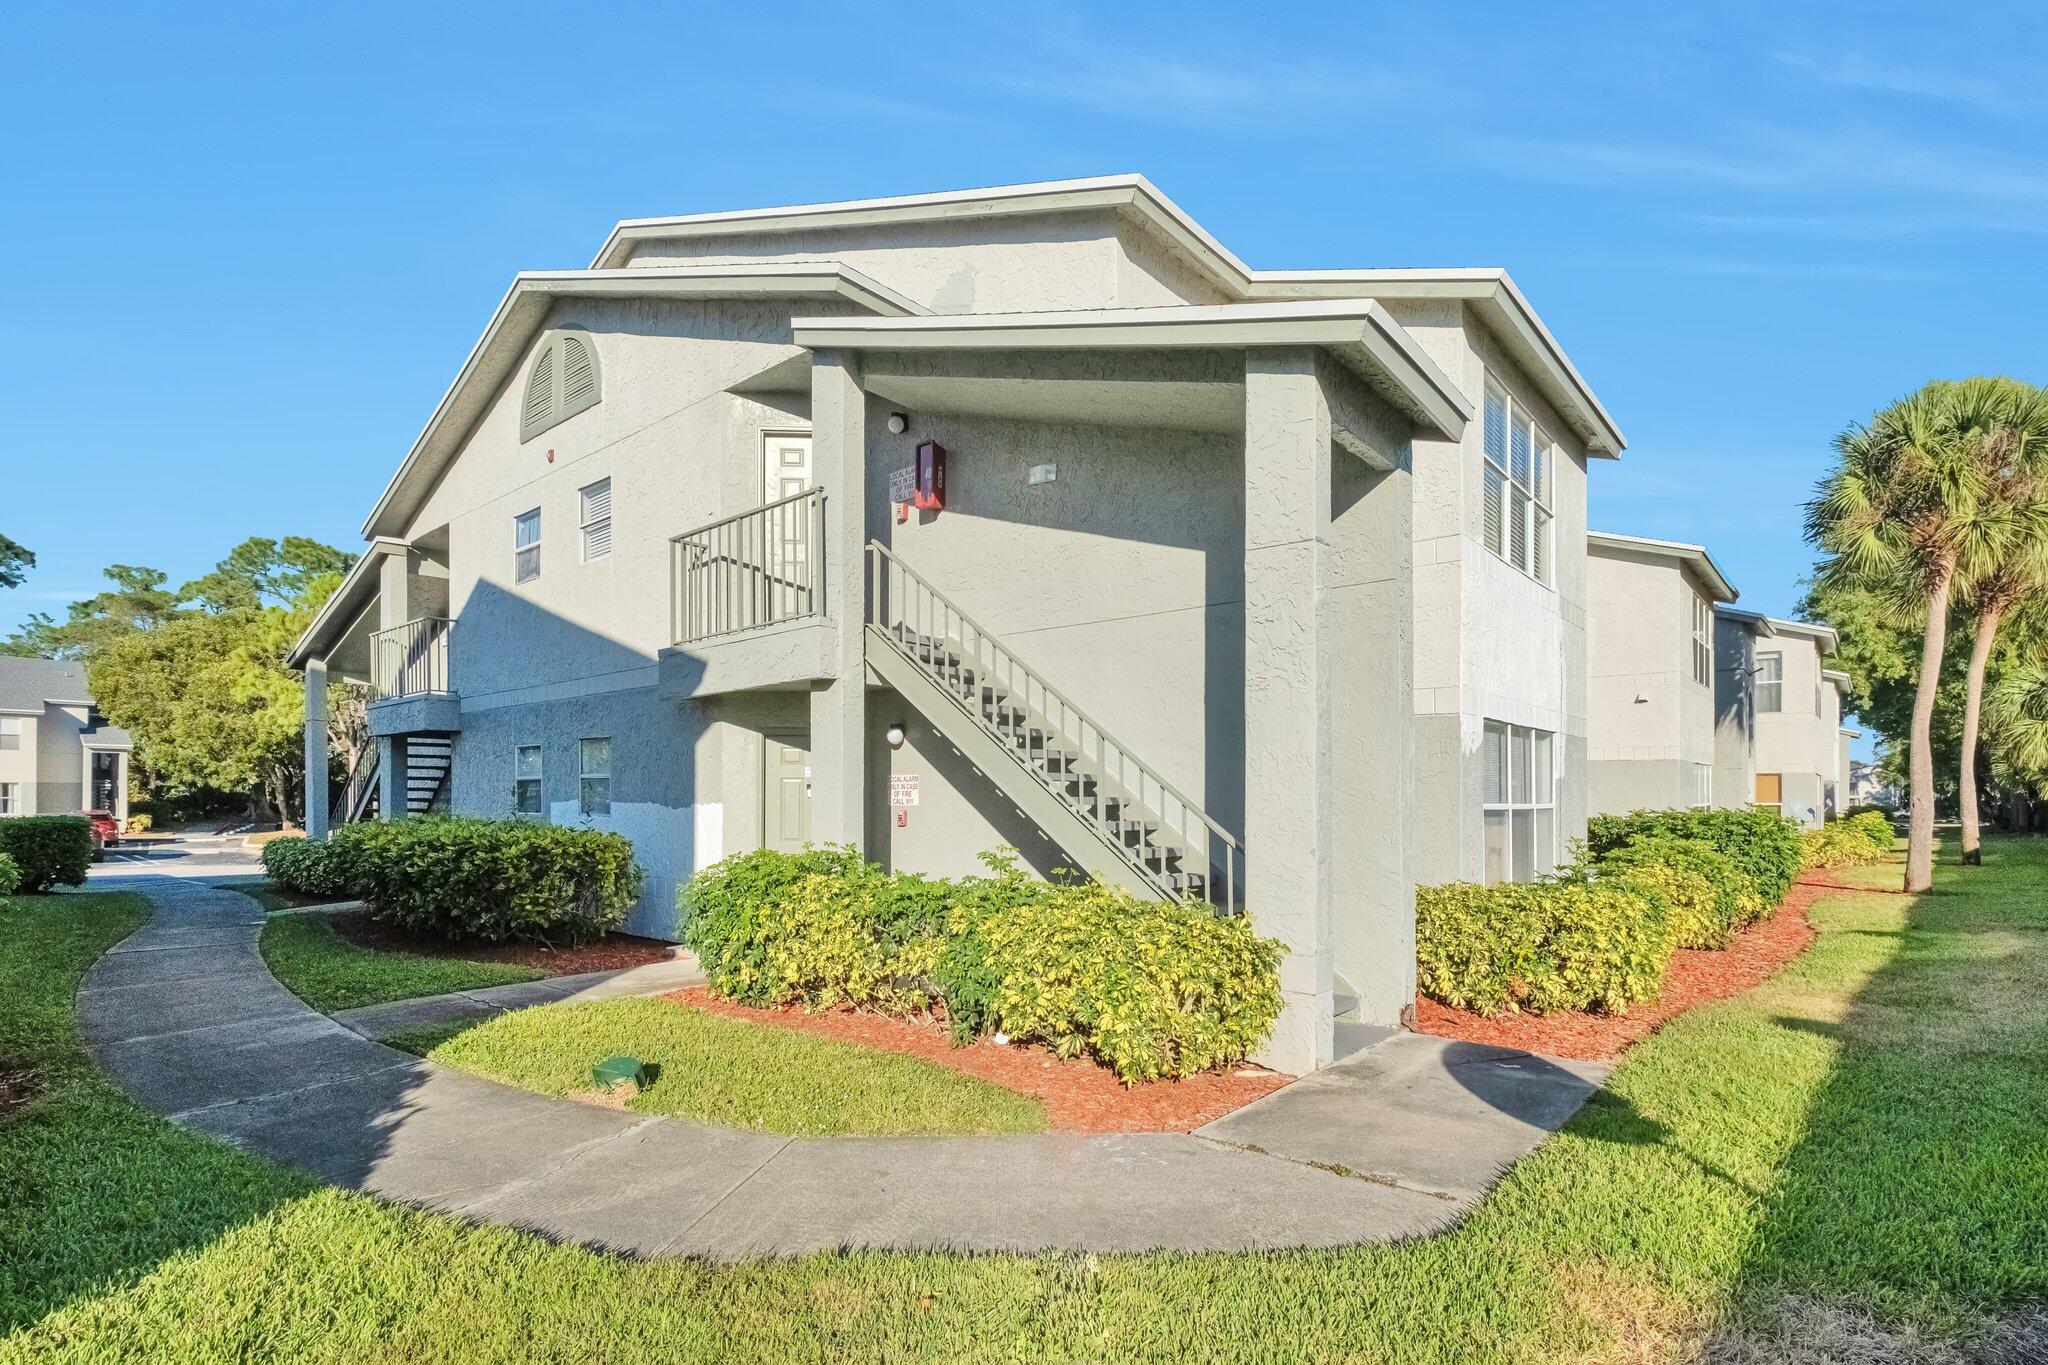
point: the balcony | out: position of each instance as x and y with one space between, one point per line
409 678
747 601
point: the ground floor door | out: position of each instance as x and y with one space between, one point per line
786 792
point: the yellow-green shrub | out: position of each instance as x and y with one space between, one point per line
1547 946
1732 899
1865 837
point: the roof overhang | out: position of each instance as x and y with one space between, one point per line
1847 733
1491 293
524 309
1695 556
357 593
1756 622
1823 637
1361 333
1842 681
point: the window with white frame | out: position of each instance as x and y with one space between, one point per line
1515 476
1702 642
10 798
10 732
1519 793
1702 784
1770 682
526 546
596 502
597 775
526 785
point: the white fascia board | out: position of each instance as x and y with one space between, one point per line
1342 324
344 604
1838 678
1695 555
525 307
1758 623
1823 637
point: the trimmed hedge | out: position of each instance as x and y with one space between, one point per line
1566 945
490 880
1710 896
10 876
48 850
308 868
1765 846
1150 989
1865 837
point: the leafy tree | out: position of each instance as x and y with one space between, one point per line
2016 710
1907 512
15 561
260 573
137 601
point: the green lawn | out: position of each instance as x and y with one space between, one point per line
1862 1132
727 1071
330 973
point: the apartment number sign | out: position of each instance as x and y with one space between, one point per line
903 789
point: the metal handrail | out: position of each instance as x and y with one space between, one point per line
759 568
411 660
897 597
355 794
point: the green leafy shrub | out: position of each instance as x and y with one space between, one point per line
48 850
1150 989
1566 945
309 868
490 880
1865 837
1764 845
10 876
1709 896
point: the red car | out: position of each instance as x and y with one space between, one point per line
106 830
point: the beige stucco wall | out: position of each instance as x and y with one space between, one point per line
1650 722
1734 714
1801 740
19 767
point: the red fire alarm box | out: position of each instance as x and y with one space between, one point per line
929 494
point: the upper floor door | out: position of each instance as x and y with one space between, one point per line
786 458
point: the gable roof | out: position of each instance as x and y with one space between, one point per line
1490 292
27 684
1755 622
524 310
1695 556
1823 637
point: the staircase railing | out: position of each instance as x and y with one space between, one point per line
901 603
760 568
412 659
355 794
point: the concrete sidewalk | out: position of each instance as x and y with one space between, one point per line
1397 1141
463 1007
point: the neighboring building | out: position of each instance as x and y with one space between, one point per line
1867 786
1650 689
58 756
1737 635
1798 721
1263 586
1845 769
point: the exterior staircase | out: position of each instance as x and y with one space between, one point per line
428 761
358 800
1106 809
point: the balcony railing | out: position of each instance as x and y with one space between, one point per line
760 568
411 660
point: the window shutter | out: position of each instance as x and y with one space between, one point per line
597 520
537 415
579 375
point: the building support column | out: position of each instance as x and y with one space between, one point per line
315 823
839 712
1287 769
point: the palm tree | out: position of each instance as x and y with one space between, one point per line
2016 457
2016 712
1910 510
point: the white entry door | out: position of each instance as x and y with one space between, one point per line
788 462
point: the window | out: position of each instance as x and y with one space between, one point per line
562 382
526 546
10 798
1702 785
1816 699
1770 791
10 732
1519 793
597 520
1515 480
1702 642
526 798
1770 682
597 776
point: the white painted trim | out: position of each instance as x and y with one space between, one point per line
1695 555
1822 636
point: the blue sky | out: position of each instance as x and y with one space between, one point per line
247 247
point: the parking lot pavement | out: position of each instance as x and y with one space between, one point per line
178 855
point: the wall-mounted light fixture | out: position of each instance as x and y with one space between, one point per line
895 735
898 423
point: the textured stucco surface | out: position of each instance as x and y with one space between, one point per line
1650 722
1801 741
1734 713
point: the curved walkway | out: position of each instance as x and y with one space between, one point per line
1397 1141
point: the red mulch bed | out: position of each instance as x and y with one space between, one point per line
609 953
1696 977
1079 1096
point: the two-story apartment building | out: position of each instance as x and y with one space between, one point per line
1738 636
1027 516
1652 691
1798 721
58 755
